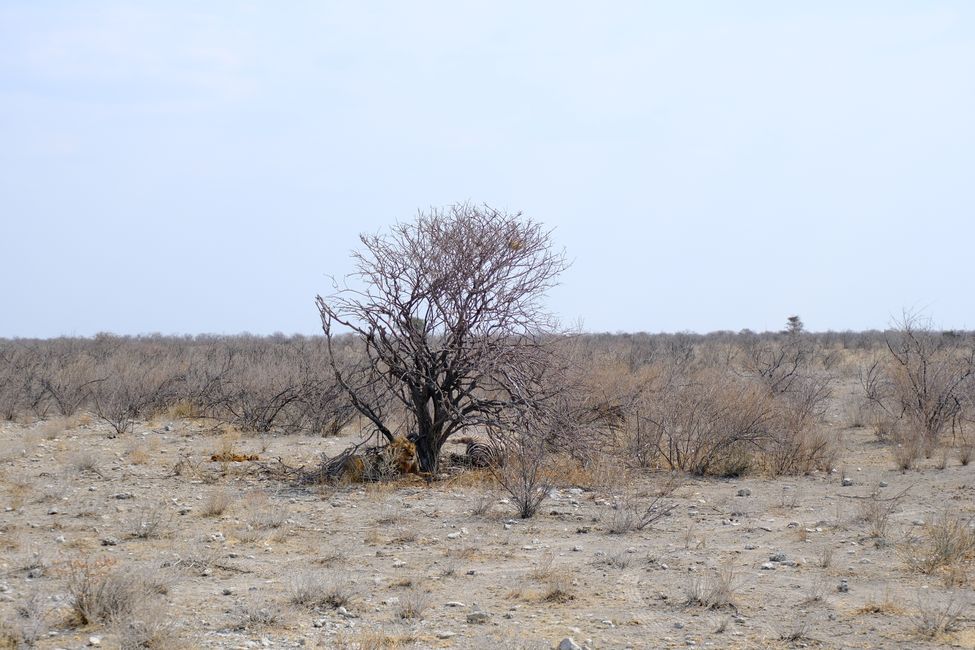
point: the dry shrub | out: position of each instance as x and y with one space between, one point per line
712 590
923 379
935 618
315 590
256 612
876 510
216 503
102 591
413 604
550 584
27 625
86 461
966 448
946 542
147 628
907 446
375 640
638 511
150 521
523 474
710 422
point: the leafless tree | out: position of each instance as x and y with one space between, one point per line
448 312
924 378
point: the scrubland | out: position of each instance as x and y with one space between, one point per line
727 491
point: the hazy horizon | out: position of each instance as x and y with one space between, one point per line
186 168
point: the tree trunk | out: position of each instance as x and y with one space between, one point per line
428 452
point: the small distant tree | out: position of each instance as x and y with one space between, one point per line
448 311
794 326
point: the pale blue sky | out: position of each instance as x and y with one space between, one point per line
201 167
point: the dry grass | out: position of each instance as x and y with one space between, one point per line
150 521
712 590
882 603
316 590
413 604
935 618
256 612
147 628
216 503
101 591
945 543
375 640
86 461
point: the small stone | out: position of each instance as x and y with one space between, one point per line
847 482
445 634
52 511
768 566
576 548
793 524
453 535
454 603
94 641
843 587
478 617
124 495
569 644
744 492
60 539
109 541
398 564
227 591
883 484
777 557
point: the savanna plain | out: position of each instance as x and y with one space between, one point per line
776 490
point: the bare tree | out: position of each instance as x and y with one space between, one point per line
448 312
924 379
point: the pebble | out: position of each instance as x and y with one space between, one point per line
843 587
109 541
569 644
744 492
446 634
883 484
454 603
768 566
478 617
453 535
847 482
777 557
94 641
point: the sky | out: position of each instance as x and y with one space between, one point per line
187 167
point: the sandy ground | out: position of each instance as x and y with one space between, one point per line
785 563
